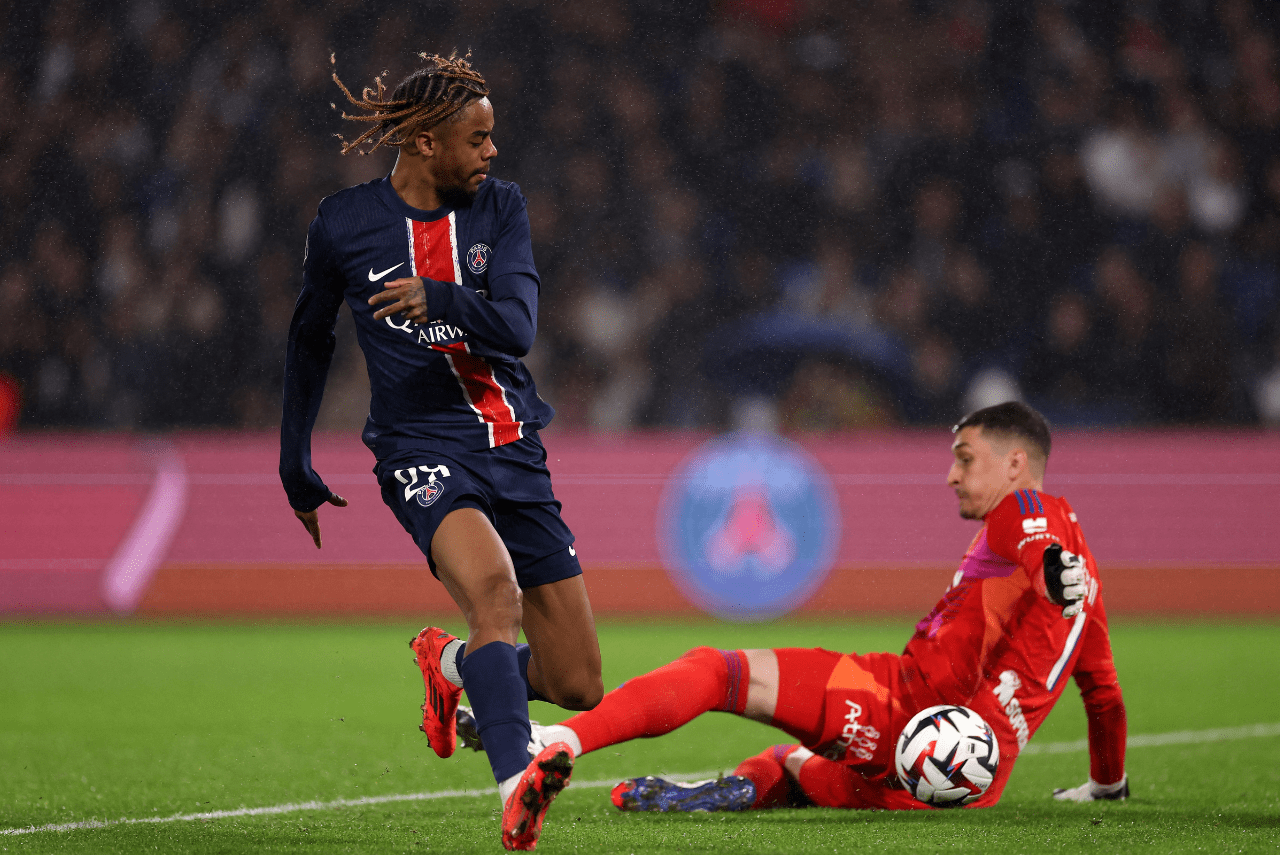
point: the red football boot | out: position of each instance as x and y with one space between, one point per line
541 782
442 696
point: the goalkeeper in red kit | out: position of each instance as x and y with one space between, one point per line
1022 614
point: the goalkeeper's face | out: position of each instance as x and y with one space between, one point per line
982 472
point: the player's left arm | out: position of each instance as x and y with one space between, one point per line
1037 539
507 321
1066 578
507 318
1095 675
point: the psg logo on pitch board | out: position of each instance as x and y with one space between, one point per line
748 527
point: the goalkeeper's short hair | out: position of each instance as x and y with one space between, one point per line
1012 419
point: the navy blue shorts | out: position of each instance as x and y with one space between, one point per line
509 484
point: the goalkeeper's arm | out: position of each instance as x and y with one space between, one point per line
1108 730
1095 674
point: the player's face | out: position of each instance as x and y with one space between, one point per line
465 149
980 473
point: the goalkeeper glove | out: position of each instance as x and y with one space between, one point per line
1065 578
1092 791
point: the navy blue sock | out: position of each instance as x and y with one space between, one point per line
491 678
523 653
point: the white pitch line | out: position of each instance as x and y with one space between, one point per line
316 805
1180 737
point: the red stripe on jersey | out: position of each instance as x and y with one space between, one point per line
434 253
483 392
435 256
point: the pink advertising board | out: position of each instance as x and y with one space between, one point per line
198 524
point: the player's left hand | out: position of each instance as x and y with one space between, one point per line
311 519
1065 578
406 297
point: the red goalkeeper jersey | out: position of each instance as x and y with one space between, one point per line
997 644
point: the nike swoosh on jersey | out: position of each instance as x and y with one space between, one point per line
374 277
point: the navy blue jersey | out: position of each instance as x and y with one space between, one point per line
455 383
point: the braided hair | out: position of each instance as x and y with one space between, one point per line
422 100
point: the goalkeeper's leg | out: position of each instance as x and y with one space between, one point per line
703 680
743 682
793 776
773 786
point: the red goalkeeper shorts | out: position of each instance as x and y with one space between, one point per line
845 707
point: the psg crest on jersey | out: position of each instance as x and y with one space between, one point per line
748 526
478 258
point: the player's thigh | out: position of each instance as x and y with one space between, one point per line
473 565
445 504
838 705
561 631
802 675
557 613
762 685
558 622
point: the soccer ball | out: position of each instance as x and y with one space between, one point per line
947 756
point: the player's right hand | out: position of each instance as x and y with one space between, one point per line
1066 578
408 297
311 519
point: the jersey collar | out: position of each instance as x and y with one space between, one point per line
402 208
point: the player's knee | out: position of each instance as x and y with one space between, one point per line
578 688
498 607
710 661
590 691
581 694
711 657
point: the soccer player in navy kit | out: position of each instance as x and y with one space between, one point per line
435 264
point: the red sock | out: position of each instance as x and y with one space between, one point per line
830 784
1108 728
773 789
702 680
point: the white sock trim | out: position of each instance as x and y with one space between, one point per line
1108 789
449 662
507 787
559 733
796 759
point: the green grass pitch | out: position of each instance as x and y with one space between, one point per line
106 721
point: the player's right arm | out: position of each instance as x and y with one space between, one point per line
307 359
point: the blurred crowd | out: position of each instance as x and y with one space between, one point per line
811 214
